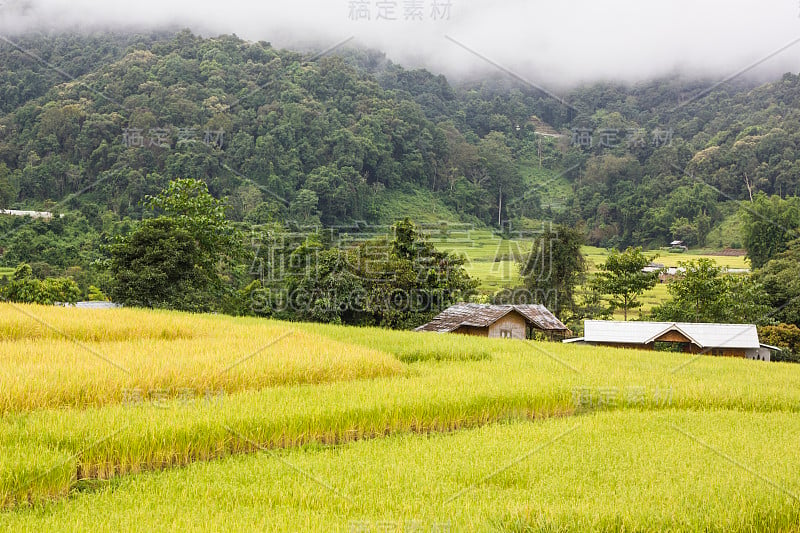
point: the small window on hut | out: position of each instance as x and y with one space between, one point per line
505 333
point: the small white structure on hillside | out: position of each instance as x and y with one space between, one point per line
45 215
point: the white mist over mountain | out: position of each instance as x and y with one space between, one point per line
549 43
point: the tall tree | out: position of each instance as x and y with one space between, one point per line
193 208
770 223
398 283
781 280
622 277
181 259
554 268
159 265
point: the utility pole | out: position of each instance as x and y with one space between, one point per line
500 209
540 151
749 186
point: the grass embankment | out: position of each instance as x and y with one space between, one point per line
420 205
552 187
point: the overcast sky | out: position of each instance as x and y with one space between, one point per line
553 42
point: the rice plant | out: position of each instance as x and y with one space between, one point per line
670 470
230 386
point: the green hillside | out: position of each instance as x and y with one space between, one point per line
302 149
360 138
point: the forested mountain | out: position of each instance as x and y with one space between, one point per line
90 125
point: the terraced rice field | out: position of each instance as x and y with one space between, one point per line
326 428
597 256
628 471
490 259
493 260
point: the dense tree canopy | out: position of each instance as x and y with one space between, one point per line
769 224
332 140
177 260
283 143
398 282
24 287
705 293
781 280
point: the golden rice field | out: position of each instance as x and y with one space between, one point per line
51 357
140 420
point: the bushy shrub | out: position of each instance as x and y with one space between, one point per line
784 336
25 288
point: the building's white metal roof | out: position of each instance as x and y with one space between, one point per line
770 347
90 305
704 335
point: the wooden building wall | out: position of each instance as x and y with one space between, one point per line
512 323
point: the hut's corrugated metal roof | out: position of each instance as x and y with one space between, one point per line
484 315
704 335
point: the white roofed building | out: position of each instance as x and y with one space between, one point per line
730 340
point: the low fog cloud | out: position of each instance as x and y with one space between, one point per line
548 42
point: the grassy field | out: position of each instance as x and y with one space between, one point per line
6 272
331 428
659 294
489 258
420 205
597 256
493 261
79 358
552 187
